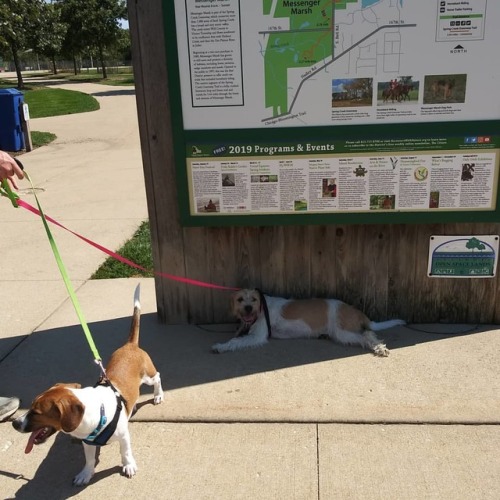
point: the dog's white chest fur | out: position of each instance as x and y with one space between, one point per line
93 398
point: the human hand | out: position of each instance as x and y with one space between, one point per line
9 169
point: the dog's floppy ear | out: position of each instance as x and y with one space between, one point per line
65 407
71 411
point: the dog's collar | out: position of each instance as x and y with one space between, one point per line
263 303
101 434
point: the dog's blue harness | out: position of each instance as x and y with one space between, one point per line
100 437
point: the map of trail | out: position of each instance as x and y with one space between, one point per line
307 42
310 35
315 63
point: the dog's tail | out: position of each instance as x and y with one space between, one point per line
133 337
383 325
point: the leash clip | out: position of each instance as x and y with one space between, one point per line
98 362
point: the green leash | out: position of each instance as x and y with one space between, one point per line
5 190
65 277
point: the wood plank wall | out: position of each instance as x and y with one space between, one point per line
381 269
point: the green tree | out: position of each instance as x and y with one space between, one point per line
50 34
93 24
122 48
19 21
73 43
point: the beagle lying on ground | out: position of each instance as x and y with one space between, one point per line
95 414
310 318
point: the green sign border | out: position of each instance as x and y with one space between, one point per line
182 137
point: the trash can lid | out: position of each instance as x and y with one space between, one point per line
10 91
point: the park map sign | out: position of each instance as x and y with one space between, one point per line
324 111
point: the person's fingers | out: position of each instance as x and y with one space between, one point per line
10 168
18 171
12 182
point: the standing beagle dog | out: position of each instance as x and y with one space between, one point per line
263 316
96 414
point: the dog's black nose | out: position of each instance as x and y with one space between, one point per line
17 424
248 309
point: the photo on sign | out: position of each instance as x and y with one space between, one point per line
382 202
300 205
228 180
207 205
329 188
441 89
264 178
468 171
400 90
352 92
434 199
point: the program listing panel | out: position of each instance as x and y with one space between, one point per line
427 181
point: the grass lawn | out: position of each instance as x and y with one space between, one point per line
137 249
39 139
45 102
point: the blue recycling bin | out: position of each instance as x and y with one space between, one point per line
11 132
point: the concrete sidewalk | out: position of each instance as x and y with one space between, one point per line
268 462
90 179
292 420
286 381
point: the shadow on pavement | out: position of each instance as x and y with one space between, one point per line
113 93
182 354
66 457
44 82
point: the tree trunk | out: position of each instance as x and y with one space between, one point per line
20 82
54 68
75 67
101 57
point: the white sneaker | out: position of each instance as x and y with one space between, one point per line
8 406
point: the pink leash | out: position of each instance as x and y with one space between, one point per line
118 257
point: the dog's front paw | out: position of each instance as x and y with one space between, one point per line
218 348
83 477
381 350
158 398
130 469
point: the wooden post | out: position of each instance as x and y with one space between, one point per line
25 125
